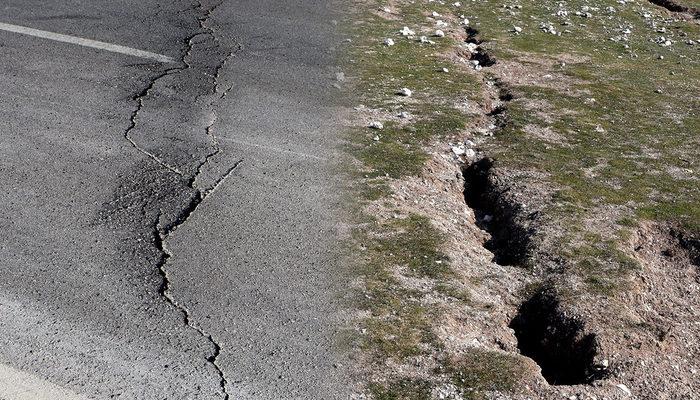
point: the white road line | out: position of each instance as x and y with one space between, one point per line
19 385
115 48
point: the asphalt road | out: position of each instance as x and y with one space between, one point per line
168 227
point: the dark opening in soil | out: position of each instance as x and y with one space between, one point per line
509 240
556 342
472 35
484 58
690 244
674 6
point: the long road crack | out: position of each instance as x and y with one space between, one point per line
162 229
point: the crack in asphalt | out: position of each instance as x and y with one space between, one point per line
161 232
160 236
134 116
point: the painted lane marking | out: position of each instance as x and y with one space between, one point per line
20 385
115 48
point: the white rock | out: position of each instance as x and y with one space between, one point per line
457 4
470 153
464 22
435 14
441 24
376 138
406 31
471 47
458 150
439 33
624 388
389 42
405 92
404 115
445 70
376 125
425 40
517 29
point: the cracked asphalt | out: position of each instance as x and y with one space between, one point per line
170 230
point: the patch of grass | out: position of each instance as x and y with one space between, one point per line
413 242
392 159
382 70
404 389
400 326
481 371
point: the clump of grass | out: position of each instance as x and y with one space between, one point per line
481 371
400 325
404 389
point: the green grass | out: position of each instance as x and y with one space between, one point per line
404 389
480 371
382 70
400 325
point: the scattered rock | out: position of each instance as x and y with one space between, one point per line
406 31
376 125
389 42
624 388
425 40
439 33
405 92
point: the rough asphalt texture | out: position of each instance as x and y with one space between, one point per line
167 228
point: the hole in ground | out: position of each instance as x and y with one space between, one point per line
556 342
690 244
484 58
472 35
509 241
